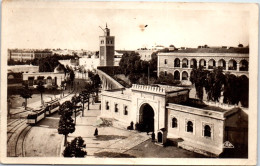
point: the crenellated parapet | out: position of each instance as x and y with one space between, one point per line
148 88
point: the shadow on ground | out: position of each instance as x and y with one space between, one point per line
113 155
108 137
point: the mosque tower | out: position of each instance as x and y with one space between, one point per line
106 48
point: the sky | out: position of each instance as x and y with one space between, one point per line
75 25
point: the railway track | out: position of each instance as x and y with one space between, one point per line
14 127
13 121
18 129
16 138
20 143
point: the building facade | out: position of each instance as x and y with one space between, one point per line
50 79
22 69
106 48
89 63
180 63
25 55
145 55
160 109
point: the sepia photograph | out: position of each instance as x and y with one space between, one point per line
85 82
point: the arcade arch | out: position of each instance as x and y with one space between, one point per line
211 64
193 63
177 62
185 63
185 75
176 75
222 63
232 64
243 65
202 62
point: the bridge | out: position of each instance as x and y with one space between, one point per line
108 83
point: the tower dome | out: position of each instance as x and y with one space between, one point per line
59 69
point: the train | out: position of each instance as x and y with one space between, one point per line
40 113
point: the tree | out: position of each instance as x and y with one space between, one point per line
129 62
244 90
26 93
66 108
198 77
153 64
41 89
84 97
168 79
75 100
231 89
63 84
213 84
75 148
72 77
87 91
66 126
96 81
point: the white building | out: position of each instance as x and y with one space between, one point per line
22 69
89 63
166 111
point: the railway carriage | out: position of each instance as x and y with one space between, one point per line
34 118
52 108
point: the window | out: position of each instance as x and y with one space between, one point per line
207 131
125 110
107 105
116 108
189 126
165 73
174 123
165 61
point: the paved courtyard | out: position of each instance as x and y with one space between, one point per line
119 142
44 141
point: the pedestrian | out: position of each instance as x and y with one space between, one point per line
147 129
153 137
96 132
132 125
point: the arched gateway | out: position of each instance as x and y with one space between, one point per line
146 118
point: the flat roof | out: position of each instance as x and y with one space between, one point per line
118 93
207 111
157 89
238 50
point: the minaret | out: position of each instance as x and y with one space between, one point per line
106 48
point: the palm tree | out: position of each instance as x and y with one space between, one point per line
41 89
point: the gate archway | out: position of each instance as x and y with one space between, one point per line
146 118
